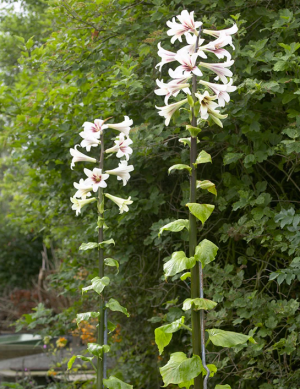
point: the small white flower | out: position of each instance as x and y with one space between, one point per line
80 157
188 64
95 128
121 147
220 69
172 88
121 203
228 31
221 90
123 126
78 204
187 25
122 171
83 189
89 140
166 56
168 110
96 179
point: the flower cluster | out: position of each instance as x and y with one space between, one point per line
188 65
96 178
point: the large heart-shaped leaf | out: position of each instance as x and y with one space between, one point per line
114 305
98 350
180 166
208 185
198 303
203 157
227 338
86 316
175 226
98 284
201 211
222 387
88 246
177 263
206 252
114 383
163 334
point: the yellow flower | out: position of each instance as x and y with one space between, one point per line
61 342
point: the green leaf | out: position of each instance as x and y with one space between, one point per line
232 157
186 384
206 252
114 305
111 326
222 387
180 166
185 141
106 242
227 338
212 368
177 263
71 362
208 185
98 350
180 369
190 100
194 131
86 316
185 276
175 226
98 284
198 303
84 358
88 246
203 157
201 211
111 262
163 334
114 383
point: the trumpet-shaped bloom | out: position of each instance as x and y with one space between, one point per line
80 157
216 46
83 189
191 47
121 203
207 108
221 90
96 179
188 64
122 172
123 126
228 31
166 56
220 69
95 128
121 147
78 204
187 24
168 110
172 88
89 140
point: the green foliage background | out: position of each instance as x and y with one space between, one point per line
66 62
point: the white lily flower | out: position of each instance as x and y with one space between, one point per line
95 128
89 140
123 126
121 203
168 110
228 31
172 88
191 47
79 157
122 171
216 47
221 90
188 64
166 56
83 189
121 147
96 179
187 25
78 204
220 69
207 108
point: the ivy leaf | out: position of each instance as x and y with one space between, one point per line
208 185
198 303
203 157
175 226
98 284
98 350
86 316
88 246
71 362
232 157
163 334
180 166
227 338
180 369
106 242
114 383
185 276
206 252
177 263
114 305
201 211
112 262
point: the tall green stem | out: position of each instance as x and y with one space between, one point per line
99 384
195 281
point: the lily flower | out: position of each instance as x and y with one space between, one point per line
187 25
228 31
96 179
121 147
166 56
123 126
95 128
121 203
83 189
188 64
216 46
168 110
221 90
78 204
172 88
89 140
122 171
191 47
207 108
80 157
219 69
